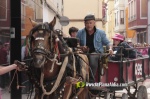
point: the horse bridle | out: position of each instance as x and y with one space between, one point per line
41 29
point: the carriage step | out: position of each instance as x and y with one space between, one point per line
98 88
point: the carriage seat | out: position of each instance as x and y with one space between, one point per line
71 42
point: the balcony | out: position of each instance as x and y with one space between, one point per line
138 17
119 3
119 28
136 23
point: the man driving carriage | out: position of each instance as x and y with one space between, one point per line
92 40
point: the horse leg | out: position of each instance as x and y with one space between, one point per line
67 91
37 94
82 93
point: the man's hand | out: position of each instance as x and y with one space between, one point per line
84 48
111 52
21 66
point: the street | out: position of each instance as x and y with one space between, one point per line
6 94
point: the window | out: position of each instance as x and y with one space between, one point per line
138 38
141 37
121 16
3 9
134 9
131 10
144 34
143 8
115 19
118 18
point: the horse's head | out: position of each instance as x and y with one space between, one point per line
42 40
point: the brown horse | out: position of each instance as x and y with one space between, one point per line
53 69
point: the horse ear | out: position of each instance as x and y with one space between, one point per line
53 22
33 22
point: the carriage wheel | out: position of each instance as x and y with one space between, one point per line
107 95
142 92
124 96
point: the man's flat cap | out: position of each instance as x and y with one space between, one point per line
89 17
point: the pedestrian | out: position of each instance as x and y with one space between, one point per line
4 70
130 42
92 40
25 53
7 69
145 50
4 52
73 31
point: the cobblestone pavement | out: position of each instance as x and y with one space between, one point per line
6 94
145 83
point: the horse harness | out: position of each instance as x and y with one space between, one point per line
58 80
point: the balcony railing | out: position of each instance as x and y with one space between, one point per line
132 18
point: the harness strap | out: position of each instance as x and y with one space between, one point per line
57 50
74 67
60 75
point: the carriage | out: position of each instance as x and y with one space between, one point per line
57 65
127 73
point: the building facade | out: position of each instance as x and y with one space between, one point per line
4 20
39 11
53 8
76 10
109 17
119 16
130 34
138 19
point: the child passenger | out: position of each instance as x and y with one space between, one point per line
118 41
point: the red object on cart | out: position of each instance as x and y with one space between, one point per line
130 72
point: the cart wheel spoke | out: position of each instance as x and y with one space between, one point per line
107 95
142 92
124 96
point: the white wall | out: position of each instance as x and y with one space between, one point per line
78 9
48 14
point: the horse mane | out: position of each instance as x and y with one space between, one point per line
42 26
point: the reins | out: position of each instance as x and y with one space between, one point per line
18 86
59 77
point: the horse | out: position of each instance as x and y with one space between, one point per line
52 70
